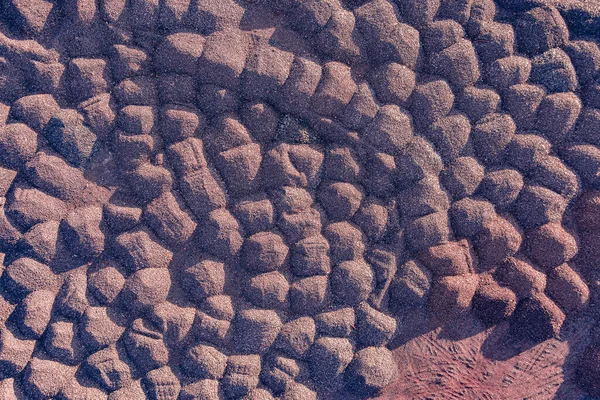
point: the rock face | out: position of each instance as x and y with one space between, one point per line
254 199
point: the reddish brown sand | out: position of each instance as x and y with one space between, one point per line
299 199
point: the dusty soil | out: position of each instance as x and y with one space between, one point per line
299 199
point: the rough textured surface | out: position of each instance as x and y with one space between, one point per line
297 199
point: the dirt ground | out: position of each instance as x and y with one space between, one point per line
299 199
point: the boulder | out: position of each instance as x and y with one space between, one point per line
204 279
68 135
351 282
146 287
255 330
371 370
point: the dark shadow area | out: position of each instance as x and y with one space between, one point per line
258 17
502 345
288 40
410 326
461 327
580 333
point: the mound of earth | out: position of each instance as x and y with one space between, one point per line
248 199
